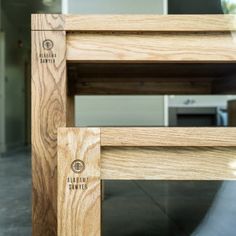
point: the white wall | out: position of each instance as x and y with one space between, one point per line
114 6
118 110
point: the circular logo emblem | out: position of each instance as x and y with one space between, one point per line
48 44
77 166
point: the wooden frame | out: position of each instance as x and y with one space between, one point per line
67 52
133 154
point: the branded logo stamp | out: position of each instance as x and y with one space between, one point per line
48 44
47 57
77 166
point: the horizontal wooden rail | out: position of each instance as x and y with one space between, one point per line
168 153
195 137
134 22
161 47
150 22
168 163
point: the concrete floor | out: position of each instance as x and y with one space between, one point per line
149 208
15 195
140 208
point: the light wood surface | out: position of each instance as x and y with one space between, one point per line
150 22
151 136
47 22
123 39
175 47
168 163
50 110
79 210
134 22
232 112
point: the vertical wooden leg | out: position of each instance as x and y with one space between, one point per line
103 189
232 113
79 185
51 108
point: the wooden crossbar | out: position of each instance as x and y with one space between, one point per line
155 47
153 136
135 22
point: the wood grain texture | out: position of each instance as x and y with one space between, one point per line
49 111
162 47
232 113
70 111
168 163
152 78
47 22
79 210
151 136
150 22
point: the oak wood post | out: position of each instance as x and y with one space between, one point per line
79 185
232 113
50 106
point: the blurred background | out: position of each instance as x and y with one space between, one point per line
162 213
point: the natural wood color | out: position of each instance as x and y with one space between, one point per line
188 23
232 113
171 47
150 22
152 78
79 211
168 163
151 136
140 40
70 115
47 22
50 110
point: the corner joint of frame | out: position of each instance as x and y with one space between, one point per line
47 22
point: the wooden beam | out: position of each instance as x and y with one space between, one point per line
79 188
122 71
225 85
50 109
232 113
151 136
168 163
140 88
47 22
152 78
151 47
150 23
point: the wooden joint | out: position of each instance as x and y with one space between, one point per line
47 22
